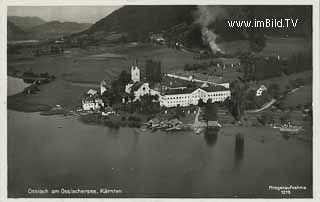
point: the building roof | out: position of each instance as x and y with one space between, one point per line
228 60
136 86
103 83
92 92
210 88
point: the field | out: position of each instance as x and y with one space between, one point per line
78 70
301 97
283 80
59 92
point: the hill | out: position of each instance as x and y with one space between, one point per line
14 32
55 29
136 22
26 23
181 23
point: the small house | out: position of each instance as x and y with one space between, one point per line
261 90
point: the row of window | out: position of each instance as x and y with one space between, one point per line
186 102
198 96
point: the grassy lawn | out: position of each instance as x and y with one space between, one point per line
58 92
76 67
301 97
283 80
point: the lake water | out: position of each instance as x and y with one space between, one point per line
55 152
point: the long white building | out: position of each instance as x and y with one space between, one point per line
191 96
178 96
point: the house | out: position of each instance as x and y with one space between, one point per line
92 92
214 124
92 101
261 90
107 111
157 38
138 89
228 62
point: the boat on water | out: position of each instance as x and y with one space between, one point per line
198 130
290 128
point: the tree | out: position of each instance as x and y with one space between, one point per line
257 40
266 118
210 112
200 103
153 71
235 103
124 78
248 60
274 90
284 119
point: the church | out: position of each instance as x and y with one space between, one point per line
178 96
136 86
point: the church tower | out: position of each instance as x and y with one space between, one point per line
103 87
135 72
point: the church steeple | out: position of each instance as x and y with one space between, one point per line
135 72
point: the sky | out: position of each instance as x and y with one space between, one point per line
83 14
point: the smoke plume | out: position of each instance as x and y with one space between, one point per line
206 15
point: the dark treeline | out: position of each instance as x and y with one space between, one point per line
52 50
29 75
153 71
260 68
146 104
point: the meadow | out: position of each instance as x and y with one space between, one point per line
77 70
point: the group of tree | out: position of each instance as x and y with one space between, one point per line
52 50
199 66
146 104
266 118
211 111
236 103
29 76
114 94
153 71
259 68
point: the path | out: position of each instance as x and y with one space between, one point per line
198 126
269 104
265 106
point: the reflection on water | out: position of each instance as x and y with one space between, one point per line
239 148
158 164
285 135
211 136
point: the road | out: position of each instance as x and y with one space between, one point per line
198 126
269 104
265 106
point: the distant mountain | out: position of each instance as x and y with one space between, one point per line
26 23
14 32
136 23
55 29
